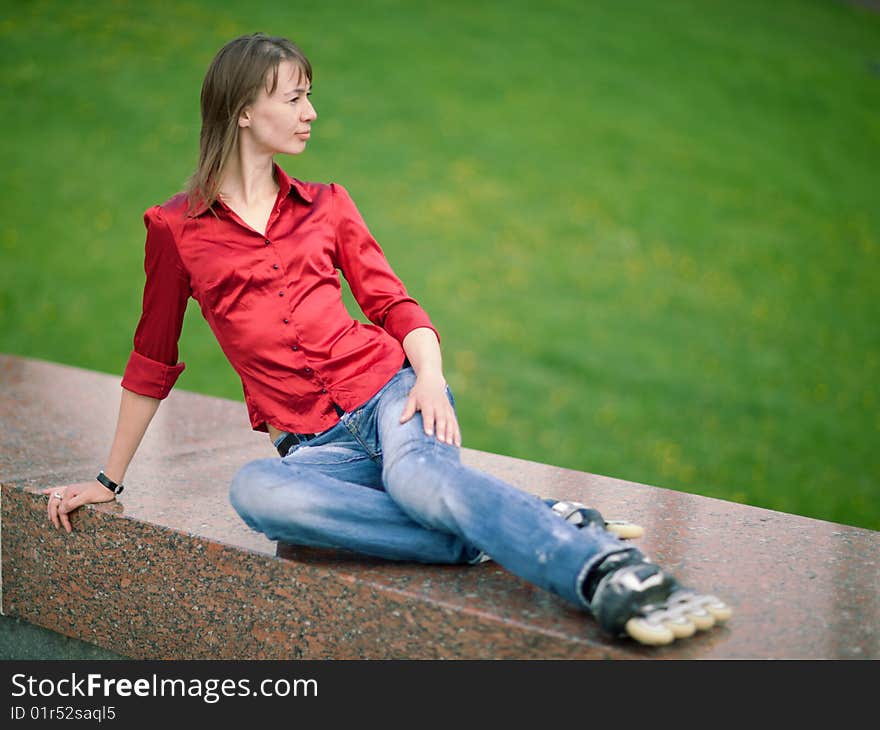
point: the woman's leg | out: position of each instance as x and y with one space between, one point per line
427 480
328 493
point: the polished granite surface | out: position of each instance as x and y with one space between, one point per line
170 570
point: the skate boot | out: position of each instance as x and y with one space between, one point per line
631 596
580 516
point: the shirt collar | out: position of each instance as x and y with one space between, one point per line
287 183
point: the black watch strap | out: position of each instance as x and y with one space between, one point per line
109 483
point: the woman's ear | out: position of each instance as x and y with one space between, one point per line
244 119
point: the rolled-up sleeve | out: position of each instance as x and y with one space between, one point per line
152 367
377 289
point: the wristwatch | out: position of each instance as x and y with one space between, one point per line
109 483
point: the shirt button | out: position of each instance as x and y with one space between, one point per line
286 321
323 390
296 347
281 294
274 266
308 370
267 241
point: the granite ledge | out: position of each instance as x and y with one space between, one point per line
170 571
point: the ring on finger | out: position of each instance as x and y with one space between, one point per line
57 495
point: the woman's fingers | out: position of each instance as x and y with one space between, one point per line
445 425
438 415
454 435
73 496
52 506
58 508
62 516
75 501
428 415
71 502
409 409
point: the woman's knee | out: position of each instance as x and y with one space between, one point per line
419 455
411 457
421 481
248 486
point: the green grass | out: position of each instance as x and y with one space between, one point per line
649 233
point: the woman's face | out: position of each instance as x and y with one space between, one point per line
280 122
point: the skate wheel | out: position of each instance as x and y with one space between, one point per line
624 530
648 632
700 618
720 610
696 608
681 628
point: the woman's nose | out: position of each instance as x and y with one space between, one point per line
310 114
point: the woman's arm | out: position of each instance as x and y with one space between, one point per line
379 292
384 299
152 367
135 413
429 393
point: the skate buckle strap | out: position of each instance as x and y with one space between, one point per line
565 509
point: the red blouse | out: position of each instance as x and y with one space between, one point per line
274 303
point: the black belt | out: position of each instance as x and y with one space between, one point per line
292 439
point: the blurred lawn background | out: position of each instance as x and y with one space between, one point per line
648 232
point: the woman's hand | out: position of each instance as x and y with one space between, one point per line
428 395
74 496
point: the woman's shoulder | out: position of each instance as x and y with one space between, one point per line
173 214
175 208
164 221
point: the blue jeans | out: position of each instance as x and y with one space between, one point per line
382 488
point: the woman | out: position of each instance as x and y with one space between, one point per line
362 416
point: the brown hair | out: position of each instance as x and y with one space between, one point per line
232 82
